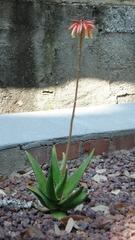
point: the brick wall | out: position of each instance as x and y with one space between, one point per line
80 147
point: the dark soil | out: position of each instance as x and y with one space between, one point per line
114 196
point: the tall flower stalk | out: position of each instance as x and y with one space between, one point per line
81 29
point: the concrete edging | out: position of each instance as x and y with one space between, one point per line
105 128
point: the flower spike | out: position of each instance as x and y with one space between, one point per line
82 27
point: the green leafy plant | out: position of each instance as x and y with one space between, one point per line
59 192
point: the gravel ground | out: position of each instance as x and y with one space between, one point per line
108 214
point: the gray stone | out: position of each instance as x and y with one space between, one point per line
101 208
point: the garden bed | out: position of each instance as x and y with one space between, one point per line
108 213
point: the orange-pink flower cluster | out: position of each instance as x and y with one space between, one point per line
82 28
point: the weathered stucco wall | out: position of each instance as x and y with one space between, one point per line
37 54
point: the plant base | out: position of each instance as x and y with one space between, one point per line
58 214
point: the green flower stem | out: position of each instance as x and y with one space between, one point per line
79 54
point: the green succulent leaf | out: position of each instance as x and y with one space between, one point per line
55 167
50 186
71 196
63 164
60 187
74 179
75 201
40 177
41 197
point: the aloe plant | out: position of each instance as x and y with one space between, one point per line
58 192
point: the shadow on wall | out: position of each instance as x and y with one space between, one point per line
36 49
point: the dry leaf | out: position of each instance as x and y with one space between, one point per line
76 226
70 225
74 217
58 232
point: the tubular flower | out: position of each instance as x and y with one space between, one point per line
82 27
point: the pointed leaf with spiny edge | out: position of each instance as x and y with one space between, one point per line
74 179
61 185
75 202
63 164
55 166
39 175
41 197
50 186
65 202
